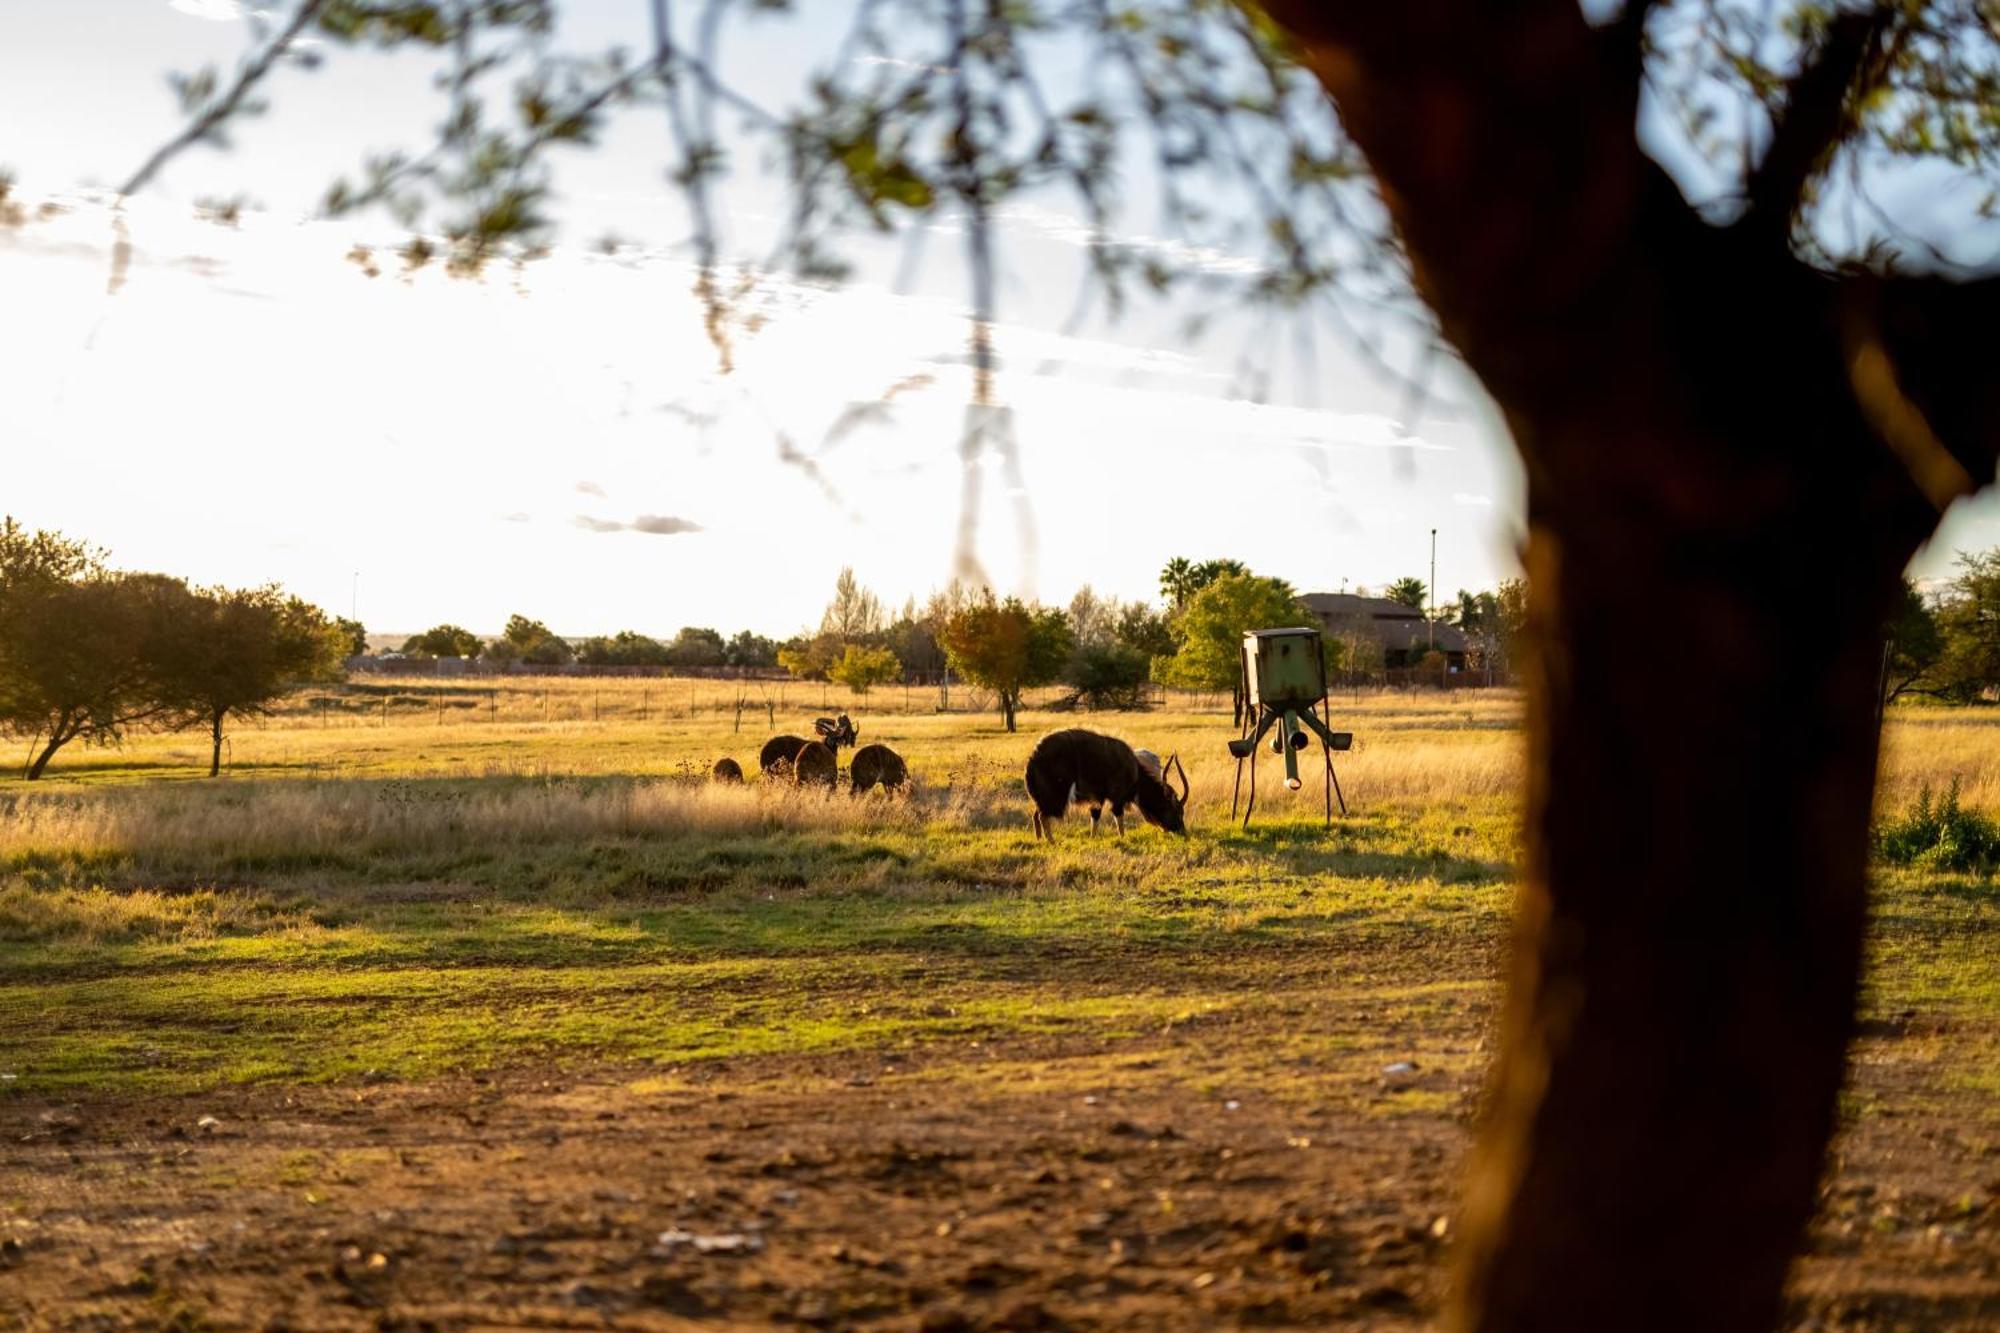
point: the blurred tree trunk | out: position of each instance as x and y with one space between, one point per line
64 730
1714 435
215 736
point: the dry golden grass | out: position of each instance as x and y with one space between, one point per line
396 780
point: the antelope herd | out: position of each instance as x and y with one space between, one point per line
1066 768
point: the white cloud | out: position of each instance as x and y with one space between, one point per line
663 525
1472 501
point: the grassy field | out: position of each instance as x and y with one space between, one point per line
451 888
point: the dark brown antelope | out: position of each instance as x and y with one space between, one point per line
1079 767
876 765
815 766
780 751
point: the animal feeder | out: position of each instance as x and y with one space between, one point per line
1284 682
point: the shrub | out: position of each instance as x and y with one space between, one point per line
1108 675
1937 834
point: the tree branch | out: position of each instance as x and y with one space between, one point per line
1820 113
218 112
1920 361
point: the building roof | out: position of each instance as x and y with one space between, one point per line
1396 626
1348 606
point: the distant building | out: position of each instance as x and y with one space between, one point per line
1402 633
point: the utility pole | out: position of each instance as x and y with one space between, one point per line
1434 589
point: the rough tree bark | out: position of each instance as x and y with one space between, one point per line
1714 436
65 730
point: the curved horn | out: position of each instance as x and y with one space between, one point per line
1174 761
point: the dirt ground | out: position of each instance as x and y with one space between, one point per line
872 1189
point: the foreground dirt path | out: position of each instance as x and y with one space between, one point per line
868 1190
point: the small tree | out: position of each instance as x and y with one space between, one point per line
1007 647
859 668
233 652
1108 674
443 641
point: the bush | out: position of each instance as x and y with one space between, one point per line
1108 675
1939 835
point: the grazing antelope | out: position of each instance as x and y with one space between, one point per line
814 765
726 770
876 765
780 751
1083 767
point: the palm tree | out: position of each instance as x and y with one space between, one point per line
1176 581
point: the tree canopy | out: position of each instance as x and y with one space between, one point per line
1209 630
1007 647
444 641
1411 592
231 653
861 668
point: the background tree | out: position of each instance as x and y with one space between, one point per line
626 648
1968 619
697 647
79 657
808 658
855 614
1007 647
1106 673
1912 645
912 637
443 641
353 636
750 650
1177 581
1747 381
535 644
1093 620
860 668
1410 592
1144 630
1208 633
232 653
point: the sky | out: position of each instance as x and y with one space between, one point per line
251 407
